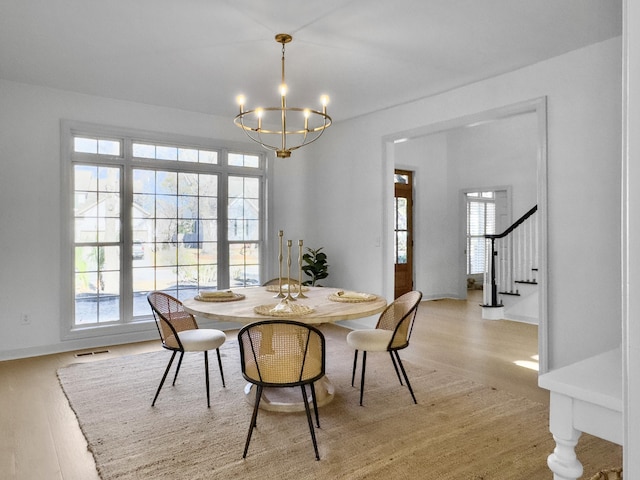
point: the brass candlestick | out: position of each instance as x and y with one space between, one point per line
300 294
280 294
289 297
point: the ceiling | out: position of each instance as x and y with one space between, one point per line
367 55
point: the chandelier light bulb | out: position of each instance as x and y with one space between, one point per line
306 112
283 89
324 99
259 112
241 100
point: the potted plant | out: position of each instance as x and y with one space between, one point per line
315 266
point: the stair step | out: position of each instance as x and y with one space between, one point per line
514 294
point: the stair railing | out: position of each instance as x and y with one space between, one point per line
516 250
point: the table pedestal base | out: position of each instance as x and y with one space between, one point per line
289 399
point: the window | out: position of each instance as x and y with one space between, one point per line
481 220
156 215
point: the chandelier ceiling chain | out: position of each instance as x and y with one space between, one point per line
270 125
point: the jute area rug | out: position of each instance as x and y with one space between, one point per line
458 430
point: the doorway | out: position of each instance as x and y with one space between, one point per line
439 257
403 231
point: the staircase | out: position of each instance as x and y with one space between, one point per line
510 279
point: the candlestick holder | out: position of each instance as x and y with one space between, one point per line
289 297
280 294
300 294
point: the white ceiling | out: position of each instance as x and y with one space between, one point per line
365 54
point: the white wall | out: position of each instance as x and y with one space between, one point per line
583 90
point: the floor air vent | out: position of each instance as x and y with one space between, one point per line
95 352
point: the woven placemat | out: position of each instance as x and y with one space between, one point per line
293 310
353 297
235 297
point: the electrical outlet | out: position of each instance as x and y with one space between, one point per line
25 319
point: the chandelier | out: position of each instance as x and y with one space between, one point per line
283 129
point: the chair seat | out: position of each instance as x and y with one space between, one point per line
199 339
374 340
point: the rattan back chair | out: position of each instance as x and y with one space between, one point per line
282 353
179 332
391 334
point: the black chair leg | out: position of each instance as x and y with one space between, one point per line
315 404
395 365
206 376
404 373
253 419
311 429
175 377
220 365
355 363
364 366
164 377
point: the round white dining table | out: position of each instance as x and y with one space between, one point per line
318 300
321 309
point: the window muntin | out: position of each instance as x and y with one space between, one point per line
146 216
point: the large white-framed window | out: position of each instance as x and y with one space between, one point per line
154 212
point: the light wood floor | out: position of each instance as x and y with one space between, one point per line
40 438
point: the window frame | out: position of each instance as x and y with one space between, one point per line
484 201
127 163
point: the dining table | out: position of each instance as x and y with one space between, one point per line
311 305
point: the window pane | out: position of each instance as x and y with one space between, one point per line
144 181
208 157
97 284
404 179
187 184
142 150
241 160
109 147
236 187
187 155
244 264
166 153
401 247
401 213
85 145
